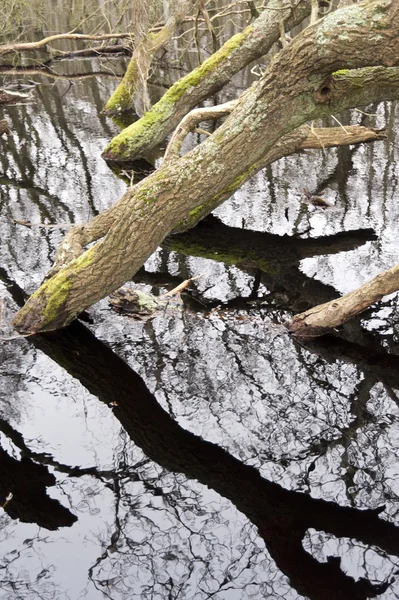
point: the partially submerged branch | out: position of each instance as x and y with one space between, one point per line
243 48
325 317
131 93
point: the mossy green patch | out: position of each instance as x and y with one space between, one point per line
121 99
141 134
200 212
56 290
341 72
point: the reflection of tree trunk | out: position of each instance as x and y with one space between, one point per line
251 249
281 516
27 482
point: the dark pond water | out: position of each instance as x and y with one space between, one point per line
202 453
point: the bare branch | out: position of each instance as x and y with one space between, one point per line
31 46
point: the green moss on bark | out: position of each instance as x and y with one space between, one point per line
200 212
121 99
51 299
130 141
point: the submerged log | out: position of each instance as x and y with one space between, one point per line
323 318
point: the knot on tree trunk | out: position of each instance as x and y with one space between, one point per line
323 94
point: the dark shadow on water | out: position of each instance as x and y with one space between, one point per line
282 517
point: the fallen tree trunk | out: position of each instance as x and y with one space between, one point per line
243 48
297 87
304 138
325 317
131 94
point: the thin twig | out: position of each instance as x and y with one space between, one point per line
181 286
316 136
340 124
47 225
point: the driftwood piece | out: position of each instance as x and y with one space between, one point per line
323 318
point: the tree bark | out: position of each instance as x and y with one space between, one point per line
131 94
297 87
323 318
255 41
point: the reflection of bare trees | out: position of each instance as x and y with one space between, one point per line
160 529
16 583
282 517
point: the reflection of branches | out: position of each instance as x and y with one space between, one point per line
23 585
281 516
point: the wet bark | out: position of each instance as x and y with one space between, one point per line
298 86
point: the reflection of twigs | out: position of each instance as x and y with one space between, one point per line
49 225
181 287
